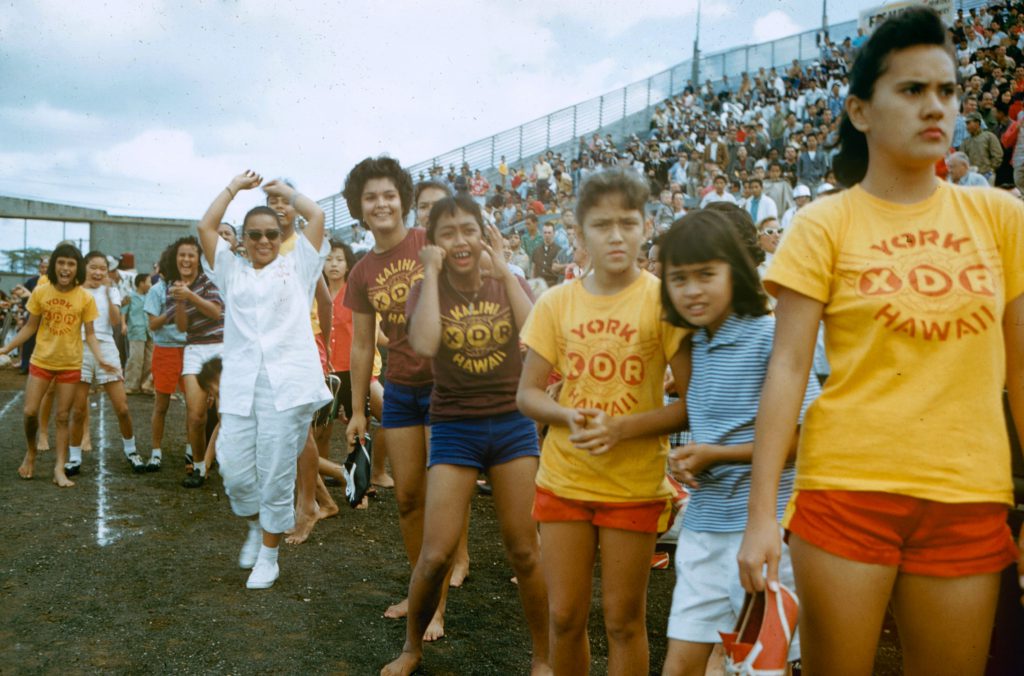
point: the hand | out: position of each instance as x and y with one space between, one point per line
670 382
432 257
496 250
180 291
599 433
110 368
279 189
247 180
762 543
356 426
686 462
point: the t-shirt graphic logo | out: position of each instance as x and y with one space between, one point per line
929 285
476 333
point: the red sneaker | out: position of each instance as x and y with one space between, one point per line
759 646
660 560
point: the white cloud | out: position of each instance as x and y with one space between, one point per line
44 117
774 25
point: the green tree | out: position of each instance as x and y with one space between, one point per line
23 260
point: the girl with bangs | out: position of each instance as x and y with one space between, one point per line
58 311
710 285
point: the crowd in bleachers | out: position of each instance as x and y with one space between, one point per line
764 142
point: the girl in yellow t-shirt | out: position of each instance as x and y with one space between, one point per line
601 481
903 475
57 311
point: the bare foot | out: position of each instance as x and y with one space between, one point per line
303 527
403 665
62 479
397 611
364 503
28 466
460 571
326 511
383 480
42 443
435 630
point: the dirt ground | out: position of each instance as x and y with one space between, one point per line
130 573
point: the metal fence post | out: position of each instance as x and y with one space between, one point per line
574 122
649 92
773 53
600 113
492 150
547 138
625 98
520 143
671 81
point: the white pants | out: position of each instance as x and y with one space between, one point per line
257 455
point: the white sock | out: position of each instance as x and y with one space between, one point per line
199 467
75 455
268 553
129 445
155 453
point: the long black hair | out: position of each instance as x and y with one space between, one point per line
912 27
169 258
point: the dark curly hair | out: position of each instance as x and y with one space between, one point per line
371 168
169 258
66 250
709 235
632 187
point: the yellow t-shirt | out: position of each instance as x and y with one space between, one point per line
59 338
612 351
914 298
288 246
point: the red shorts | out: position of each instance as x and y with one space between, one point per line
49 376
639 517
166 368
322 349
920 537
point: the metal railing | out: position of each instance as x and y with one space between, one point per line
560 131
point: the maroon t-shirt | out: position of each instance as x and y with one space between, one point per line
476 370
379 284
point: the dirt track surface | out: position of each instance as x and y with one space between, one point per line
129 573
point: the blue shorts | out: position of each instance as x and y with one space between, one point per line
483 442
406 406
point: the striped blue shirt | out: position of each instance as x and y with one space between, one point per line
721 403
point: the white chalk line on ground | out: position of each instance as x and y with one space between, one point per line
103 531
15 399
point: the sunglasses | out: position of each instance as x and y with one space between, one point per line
257 235
772 231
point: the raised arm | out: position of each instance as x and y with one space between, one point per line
796 329
517 296
305 207
425 323
207 228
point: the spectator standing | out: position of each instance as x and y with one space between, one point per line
982 147
812 165
759 205
478 187
140 347
544 255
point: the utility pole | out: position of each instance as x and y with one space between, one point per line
695 70
824 16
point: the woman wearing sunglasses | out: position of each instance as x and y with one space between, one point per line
768 235
272 380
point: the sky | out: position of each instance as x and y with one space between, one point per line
149 107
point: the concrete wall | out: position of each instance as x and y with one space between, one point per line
114 235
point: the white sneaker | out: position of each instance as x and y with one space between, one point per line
263 574
250 549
